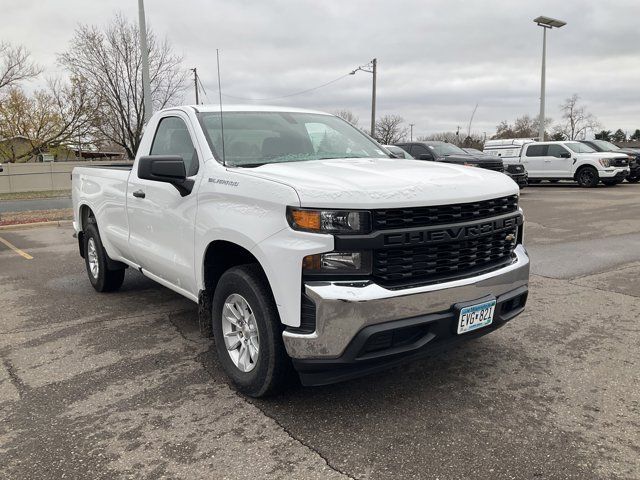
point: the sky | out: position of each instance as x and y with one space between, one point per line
436 59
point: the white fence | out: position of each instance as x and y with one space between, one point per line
32 177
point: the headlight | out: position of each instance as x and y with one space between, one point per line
604 162
329 221
342 263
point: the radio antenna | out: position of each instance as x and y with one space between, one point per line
224 162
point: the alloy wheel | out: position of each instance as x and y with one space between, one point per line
240 332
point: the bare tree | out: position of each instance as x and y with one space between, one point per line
50 118
348 116
15 65
577 121
449 137
524 126
109 62
389 129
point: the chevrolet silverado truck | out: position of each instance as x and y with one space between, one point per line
307 248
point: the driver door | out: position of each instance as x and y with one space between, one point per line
161 221
560 161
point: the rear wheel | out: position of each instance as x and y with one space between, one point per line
248 332
587 177
96 261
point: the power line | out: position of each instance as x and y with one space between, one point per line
291 94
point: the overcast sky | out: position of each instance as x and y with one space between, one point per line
436 59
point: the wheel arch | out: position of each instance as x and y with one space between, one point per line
85 214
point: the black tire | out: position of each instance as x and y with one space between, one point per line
273 369
104 280
587 177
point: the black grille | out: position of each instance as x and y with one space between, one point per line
443 214
430 263
496 166
515 169
619 162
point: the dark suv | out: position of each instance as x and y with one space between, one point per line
449 153
516 171
634 156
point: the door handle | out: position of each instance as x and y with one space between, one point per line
139 194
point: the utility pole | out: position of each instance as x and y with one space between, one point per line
144 51
371 67
411 134
373 97
195 82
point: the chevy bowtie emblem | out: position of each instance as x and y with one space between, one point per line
510 238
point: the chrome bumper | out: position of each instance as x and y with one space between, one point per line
345 308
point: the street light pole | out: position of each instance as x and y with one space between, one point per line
374 70
144 51
411 134
546 23
542 84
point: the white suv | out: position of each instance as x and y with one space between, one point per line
569 160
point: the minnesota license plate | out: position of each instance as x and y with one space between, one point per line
477 316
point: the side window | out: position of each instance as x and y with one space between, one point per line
537 150
417 150
556 150
172 138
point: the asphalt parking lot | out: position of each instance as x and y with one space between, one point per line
122 385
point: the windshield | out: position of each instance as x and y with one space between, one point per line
579 147
444 149
255 138
605 146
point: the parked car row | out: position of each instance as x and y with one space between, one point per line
569 160
448 153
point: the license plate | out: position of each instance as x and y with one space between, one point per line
476 316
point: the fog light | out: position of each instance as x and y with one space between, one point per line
355 263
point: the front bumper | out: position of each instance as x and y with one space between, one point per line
344 310
614 173
522 179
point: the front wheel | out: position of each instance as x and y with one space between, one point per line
248 332
587 177
96 261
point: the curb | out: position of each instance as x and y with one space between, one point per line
24 226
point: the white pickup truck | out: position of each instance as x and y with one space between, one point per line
562 160
306 246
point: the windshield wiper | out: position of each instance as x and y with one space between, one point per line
250 165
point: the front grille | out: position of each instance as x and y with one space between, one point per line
429 263
515 169
443 214
619 162
495 166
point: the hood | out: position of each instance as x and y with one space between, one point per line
384 183
469 158
610 155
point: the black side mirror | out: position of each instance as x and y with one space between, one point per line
565 155
425 156
166 168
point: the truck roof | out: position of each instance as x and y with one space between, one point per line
247 108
